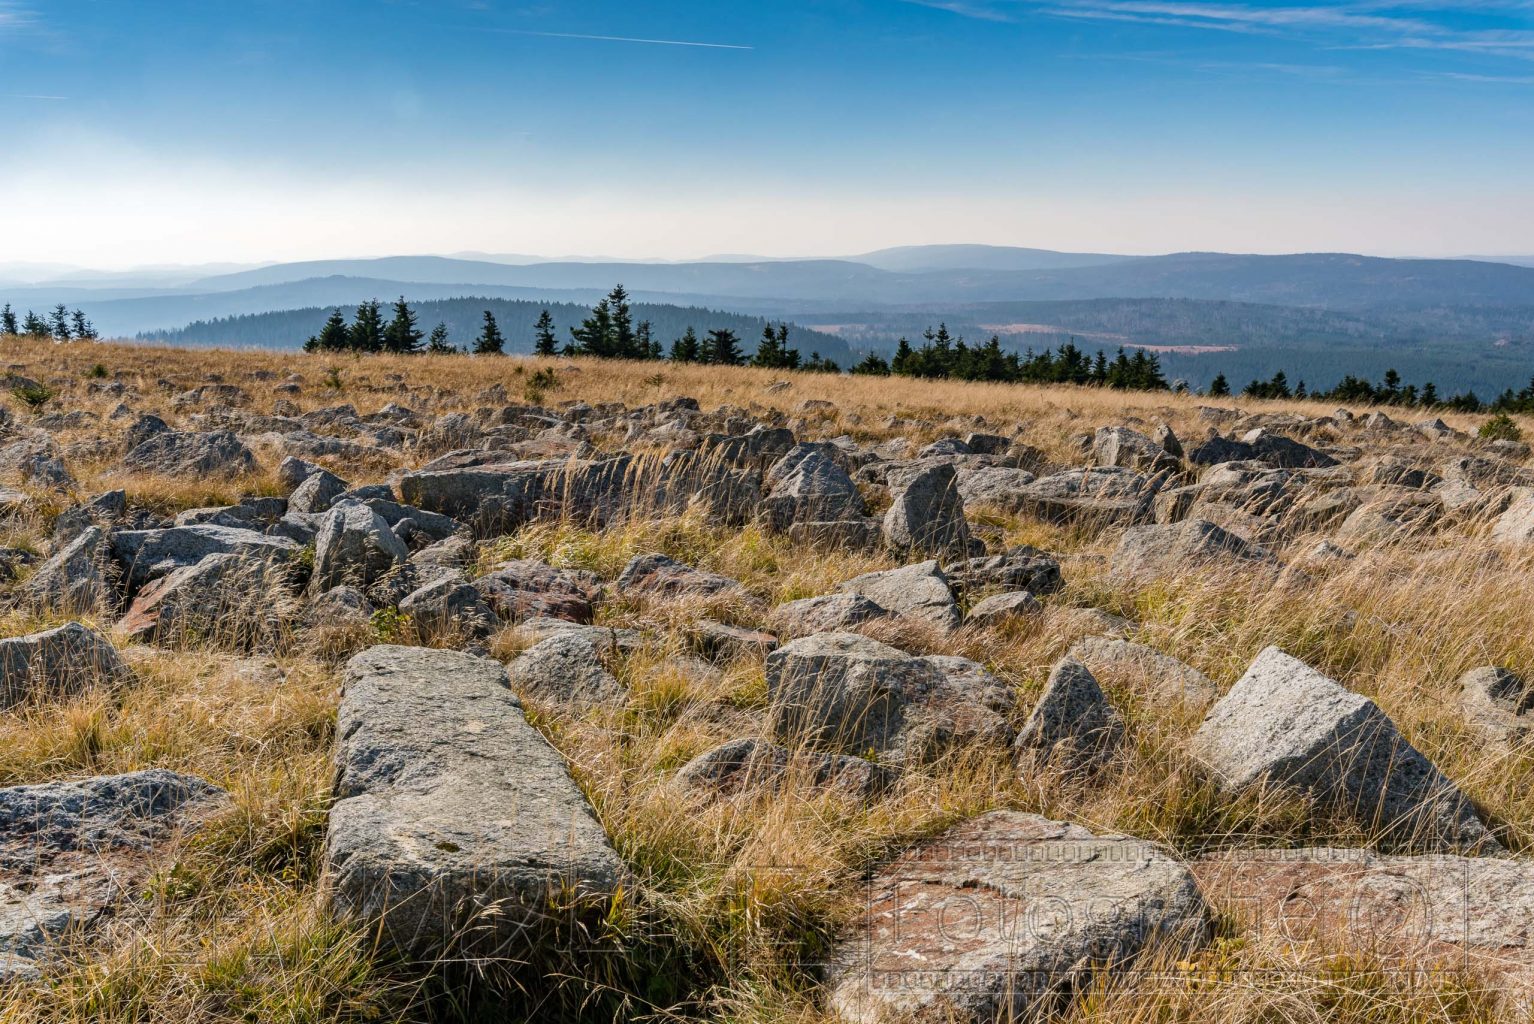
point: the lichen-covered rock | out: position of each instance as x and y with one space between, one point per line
1002 917
455 822
845 692
354 546
1000 608
658 576
78 578
752 765
919 591
1073 724
566 669
174 453
1190 546
926 513
70 851
63 661
1285 723
826 614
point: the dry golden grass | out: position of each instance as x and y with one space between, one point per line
738 899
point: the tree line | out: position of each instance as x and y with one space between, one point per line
1389 391
60 324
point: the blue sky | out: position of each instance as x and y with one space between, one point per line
272 129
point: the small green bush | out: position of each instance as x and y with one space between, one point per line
1501 428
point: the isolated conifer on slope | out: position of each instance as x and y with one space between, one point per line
686 349
490 341
402 337
438 344
8 321
544 341
335 336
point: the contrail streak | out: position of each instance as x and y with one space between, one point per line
627 39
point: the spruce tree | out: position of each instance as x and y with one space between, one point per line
335 336
35 326
438 344
873 365
594 337
686 348
1219 387
624 344
772 352
367 334
490 341
83 328
645 345
402 337
58 323
8 322
722 348
544 343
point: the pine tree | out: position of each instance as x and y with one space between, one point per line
772 352
58 323
8 323
625 344
646 347
686 349
438 344
873 365
543 331
594 337
904 361
402 337
367 334
490 341
35 326
1219 387
83 328
335 336
722 348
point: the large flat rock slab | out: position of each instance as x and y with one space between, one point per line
1003 915
1430 912
72 851
455 821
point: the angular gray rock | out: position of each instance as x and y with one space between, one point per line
826 614
1287 724
845 692
1096 497
807 486
69 851
449 604
355 547
77 578
565 669
997 486
1130 449
919 591
174 453
316 492
1019 568
1192 545
1000 608
656 575
235 601
145 555
63 661
524 588
926 513
1002 917
1073 725
746 765
455 822
1498 702
1170 679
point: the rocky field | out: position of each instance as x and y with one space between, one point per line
443 688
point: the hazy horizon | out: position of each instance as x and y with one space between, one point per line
180 132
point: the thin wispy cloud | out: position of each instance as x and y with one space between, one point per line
1358 25
32 96
967 10
627 39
